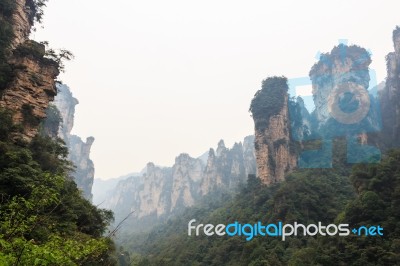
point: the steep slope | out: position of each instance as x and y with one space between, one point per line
101 189
360 196
288 136
44 219
162 192
269 108
31 84
343 64
79 150
390 96
228 167
370 196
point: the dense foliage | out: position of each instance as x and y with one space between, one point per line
369 197
268 101
36 7
44 218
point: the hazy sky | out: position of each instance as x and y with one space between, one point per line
156 78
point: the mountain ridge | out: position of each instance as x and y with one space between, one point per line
161 192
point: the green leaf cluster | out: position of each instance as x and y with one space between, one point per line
268 101
44 220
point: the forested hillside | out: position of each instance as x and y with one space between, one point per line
350 176
365 195
44 219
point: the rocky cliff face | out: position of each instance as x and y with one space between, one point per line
23 21
30 92
79 154
162 192
390 95
65 103
274 158
228 167
79 150
343 64
272 138
343 108
147 195
32 86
